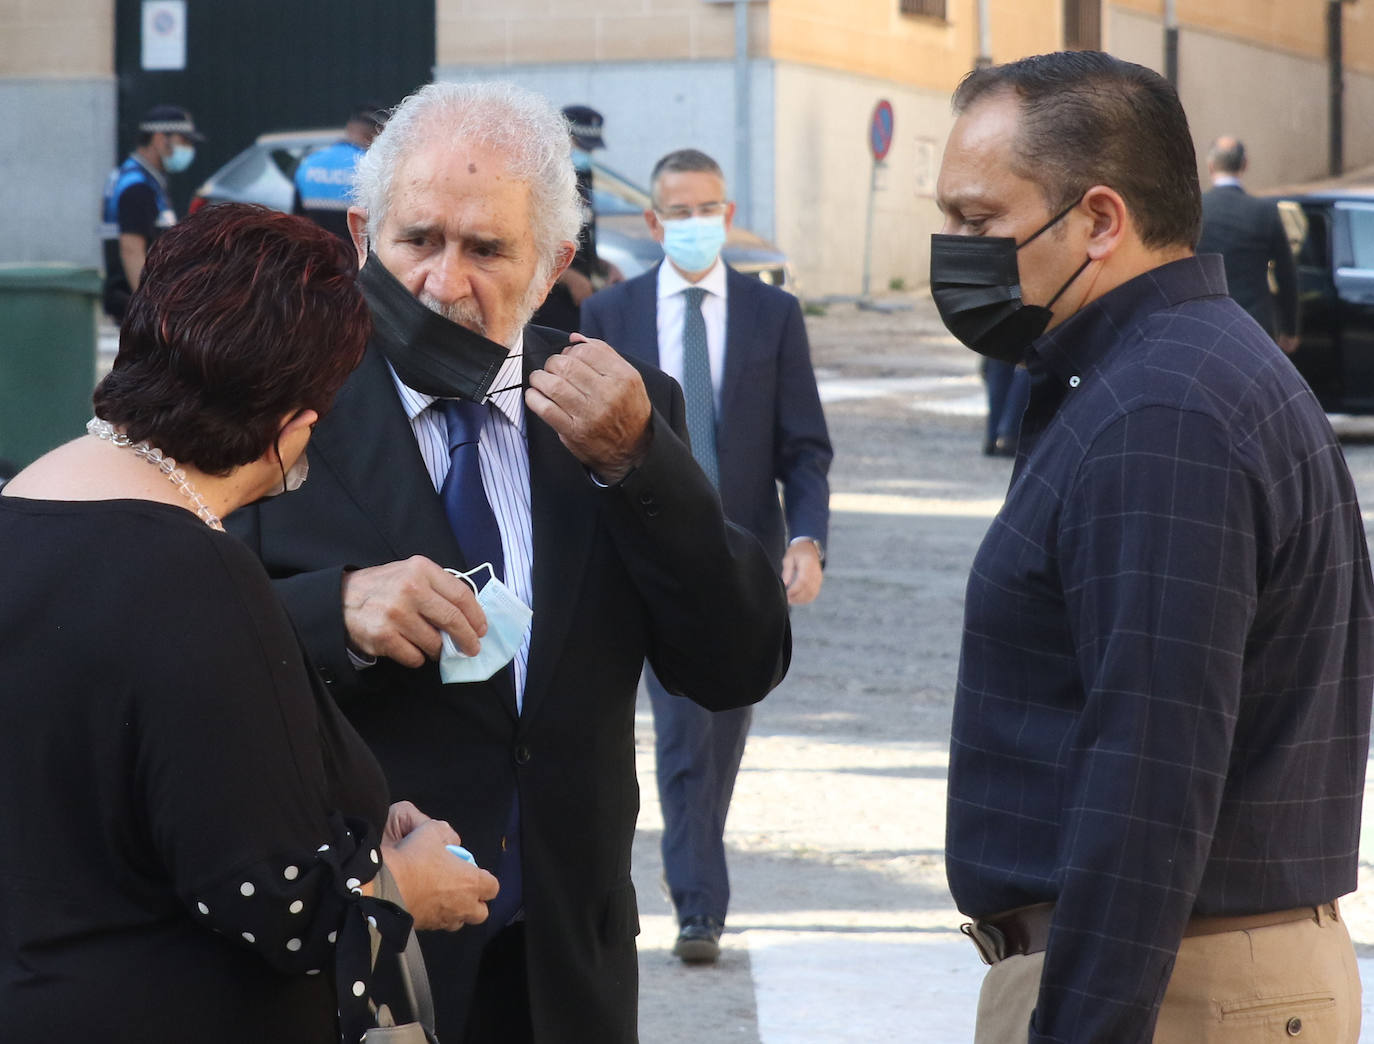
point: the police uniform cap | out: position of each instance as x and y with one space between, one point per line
169 119
584 123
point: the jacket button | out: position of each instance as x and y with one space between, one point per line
326 676
522 754
1294 1026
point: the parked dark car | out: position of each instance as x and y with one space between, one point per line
263 172
1331 229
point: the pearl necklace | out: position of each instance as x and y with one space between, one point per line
167 465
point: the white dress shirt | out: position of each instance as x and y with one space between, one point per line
505 458
672 313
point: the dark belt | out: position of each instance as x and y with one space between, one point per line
1027 930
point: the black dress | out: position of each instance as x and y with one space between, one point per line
184 815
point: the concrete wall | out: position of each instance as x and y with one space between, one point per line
652 108
824 169
1273 100
57 89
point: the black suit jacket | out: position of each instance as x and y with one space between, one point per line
648 568
771 427
1248 235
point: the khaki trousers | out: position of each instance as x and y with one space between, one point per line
1297 983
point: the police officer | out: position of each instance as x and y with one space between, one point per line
137 208
587 273
324 179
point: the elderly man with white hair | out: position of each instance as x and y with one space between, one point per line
556 479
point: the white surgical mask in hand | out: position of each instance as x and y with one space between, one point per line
507 618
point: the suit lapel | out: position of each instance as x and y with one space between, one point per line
563 525
643 309
741 317
372 437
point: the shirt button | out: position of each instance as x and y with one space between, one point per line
1294 1026
1075 381
522 754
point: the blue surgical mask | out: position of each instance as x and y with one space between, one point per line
694 243
507 618
182 157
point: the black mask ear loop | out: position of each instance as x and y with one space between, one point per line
1050 224
509 387
281 464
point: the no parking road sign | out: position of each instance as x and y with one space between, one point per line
880 130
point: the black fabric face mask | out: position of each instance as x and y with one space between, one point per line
976 285
431 354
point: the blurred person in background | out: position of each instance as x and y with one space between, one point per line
1249 235
137 207
739 349
324 179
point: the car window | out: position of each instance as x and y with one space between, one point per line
613 193
1315 250
1361 237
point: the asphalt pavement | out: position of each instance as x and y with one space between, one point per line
841 926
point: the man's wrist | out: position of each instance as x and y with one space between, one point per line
820 548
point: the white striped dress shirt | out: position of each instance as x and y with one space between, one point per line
505 459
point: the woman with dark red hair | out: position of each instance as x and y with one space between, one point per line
189 830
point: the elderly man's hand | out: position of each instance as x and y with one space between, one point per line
597 404
398 610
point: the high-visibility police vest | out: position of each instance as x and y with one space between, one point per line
133 172
128 174
324 179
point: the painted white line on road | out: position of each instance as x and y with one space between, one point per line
816 988
897 504
843 389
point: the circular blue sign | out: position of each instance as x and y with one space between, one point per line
880 130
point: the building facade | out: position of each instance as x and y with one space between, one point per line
667 74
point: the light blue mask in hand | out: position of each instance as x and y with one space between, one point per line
507 618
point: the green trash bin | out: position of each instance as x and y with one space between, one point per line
47 356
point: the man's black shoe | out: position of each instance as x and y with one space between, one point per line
699 940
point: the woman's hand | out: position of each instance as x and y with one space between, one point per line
440 890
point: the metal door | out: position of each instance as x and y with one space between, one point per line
253 66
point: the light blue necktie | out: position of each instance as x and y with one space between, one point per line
697 388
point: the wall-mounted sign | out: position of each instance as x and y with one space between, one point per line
164 34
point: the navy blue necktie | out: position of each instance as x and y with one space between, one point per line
474 524
697 388
465 500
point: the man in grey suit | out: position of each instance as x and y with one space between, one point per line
740 351
1249 236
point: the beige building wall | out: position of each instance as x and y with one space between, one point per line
514 32
1273 98
872 38
824 170
1297 27
57 89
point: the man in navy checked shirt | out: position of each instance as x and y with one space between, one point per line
1162 716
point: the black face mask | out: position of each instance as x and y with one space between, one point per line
431 354
977 289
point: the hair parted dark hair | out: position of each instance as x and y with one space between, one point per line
683 161
1088 119
243 315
